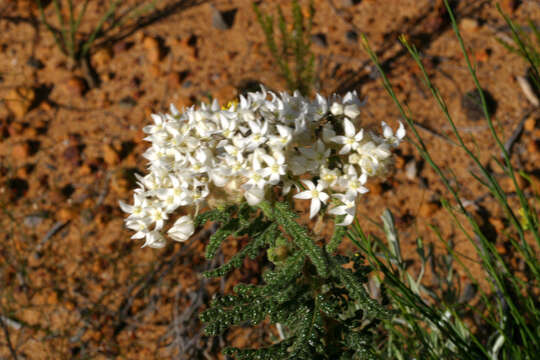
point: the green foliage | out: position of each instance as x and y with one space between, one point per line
337 236
295 46
323 307
285 217
528 47
67 35
506 318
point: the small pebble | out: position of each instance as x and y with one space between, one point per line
469 25
411 170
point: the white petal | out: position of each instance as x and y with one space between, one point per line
157 119
362 190
349 128
269 160
266 172
400 133
338 210
387 131
315 207
125 207
347 221
363 178
139 235
304 195
351 111
280 158
286 188
323 197
254 196
174 111
309 184
155 240
182 229
345 149
336 109
219 179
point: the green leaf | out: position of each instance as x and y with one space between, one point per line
337 236
285 217
219 236
358 292
252 249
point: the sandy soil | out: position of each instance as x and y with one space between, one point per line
74 285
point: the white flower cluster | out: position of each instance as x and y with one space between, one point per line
214 156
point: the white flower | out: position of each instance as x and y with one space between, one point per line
200 193
276 167
352 105
329 178
228 124
236 165
348 208
336 109
157 215
316 194
353 182
254 195
159 123
140 226
138 208
265 139
285 136
154 239
258 134
389 136
372 156
319 107
182 229
316 155
175 196
351 140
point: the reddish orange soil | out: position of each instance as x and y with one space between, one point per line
72 282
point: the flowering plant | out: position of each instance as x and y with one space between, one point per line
235 161
216 157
